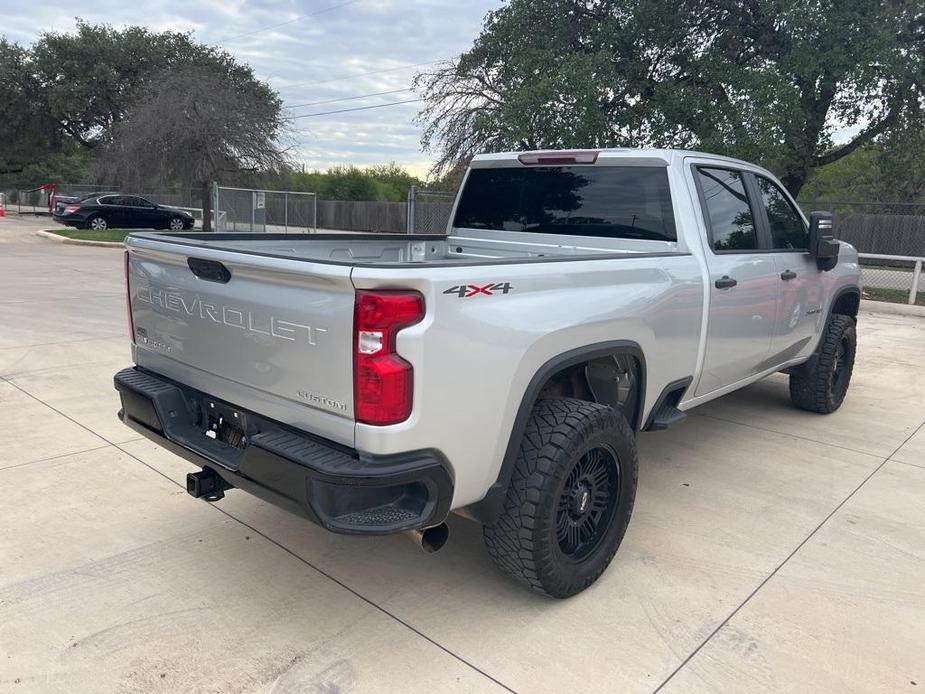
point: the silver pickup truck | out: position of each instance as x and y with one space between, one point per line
374 383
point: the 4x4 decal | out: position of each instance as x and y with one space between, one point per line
464 291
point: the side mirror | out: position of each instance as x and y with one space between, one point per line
822 243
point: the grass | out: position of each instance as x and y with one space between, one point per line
117 235
895 296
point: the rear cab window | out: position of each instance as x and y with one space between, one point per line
630 202
729 216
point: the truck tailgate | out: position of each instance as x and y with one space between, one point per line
259 332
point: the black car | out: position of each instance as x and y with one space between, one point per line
117 211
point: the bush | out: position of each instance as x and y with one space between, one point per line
386 182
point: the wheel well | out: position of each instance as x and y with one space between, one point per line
847 304
594 373
616 380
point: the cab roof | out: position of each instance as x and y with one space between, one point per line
624 155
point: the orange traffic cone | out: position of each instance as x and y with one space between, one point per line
2 207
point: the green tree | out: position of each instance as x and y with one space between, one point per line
890 170
385 182
87 80
64 96
765 80
26 131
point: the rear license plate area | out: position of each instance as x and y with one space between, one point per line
224 423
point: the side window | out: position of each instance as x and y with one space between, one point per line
729 216
785 223
109 200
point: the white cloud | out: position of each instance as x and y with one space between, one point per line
328 55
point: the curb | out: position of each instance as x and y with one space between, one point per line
892 309
79 242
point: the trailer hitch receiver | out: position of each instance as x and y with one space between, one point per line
205 484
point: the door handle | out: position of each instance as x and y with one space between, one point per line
788 275
725 282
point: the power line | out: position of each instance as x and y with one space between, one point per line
362 74
291 21
350 98
358 108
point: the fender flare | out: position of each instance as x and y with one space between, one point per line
810 363
844 291
490 506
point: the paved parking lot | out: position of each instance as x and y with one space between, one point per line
770 550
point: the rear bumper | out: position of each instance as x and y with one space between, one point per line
341 489
68 220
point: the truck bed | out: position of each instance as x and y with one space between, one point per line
404 250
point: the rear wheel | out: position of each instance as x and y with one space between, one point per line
569 499
176 224
822 384
97 223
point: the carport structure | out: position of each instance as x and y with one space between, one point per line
770 549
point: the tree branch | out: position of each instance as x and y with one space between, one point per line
865 136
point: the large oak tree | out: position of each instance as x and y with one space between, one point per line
68 96
765 80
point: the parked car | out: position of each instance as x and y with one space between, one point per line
62 201
374 383
118 211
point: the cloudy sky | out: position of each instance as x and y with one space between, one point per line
310 51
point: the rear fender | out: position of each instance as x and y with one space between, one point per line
490 506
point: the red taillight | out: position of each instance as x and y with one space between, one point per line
383 381
128 300
71 208
557 158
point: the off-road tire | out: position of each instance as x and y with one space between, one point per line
523 539
821 385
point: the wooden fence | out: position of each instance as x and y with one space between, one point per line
430 217
890 234
363 216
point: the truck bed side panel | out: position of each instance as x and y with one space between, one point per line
475 355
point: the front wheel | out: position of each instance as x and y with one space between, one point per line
821 385
97 224
176 224
569 499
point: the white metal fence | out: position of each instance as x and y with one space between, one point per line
274 211
429 210
892 277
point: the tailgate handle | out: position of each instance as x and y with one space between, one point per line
209 270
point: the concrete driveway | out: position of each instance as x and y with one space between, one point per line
770 550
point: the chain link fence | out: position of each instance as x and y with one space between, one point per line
894 278
38 200
272 211
429 210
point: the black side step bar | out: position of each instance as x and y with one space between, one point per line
666 413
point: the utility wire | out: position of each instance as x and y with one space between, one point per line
361 74
350 98
358 108
291 21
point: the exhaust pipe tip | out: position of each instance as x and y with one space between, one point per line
430 539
